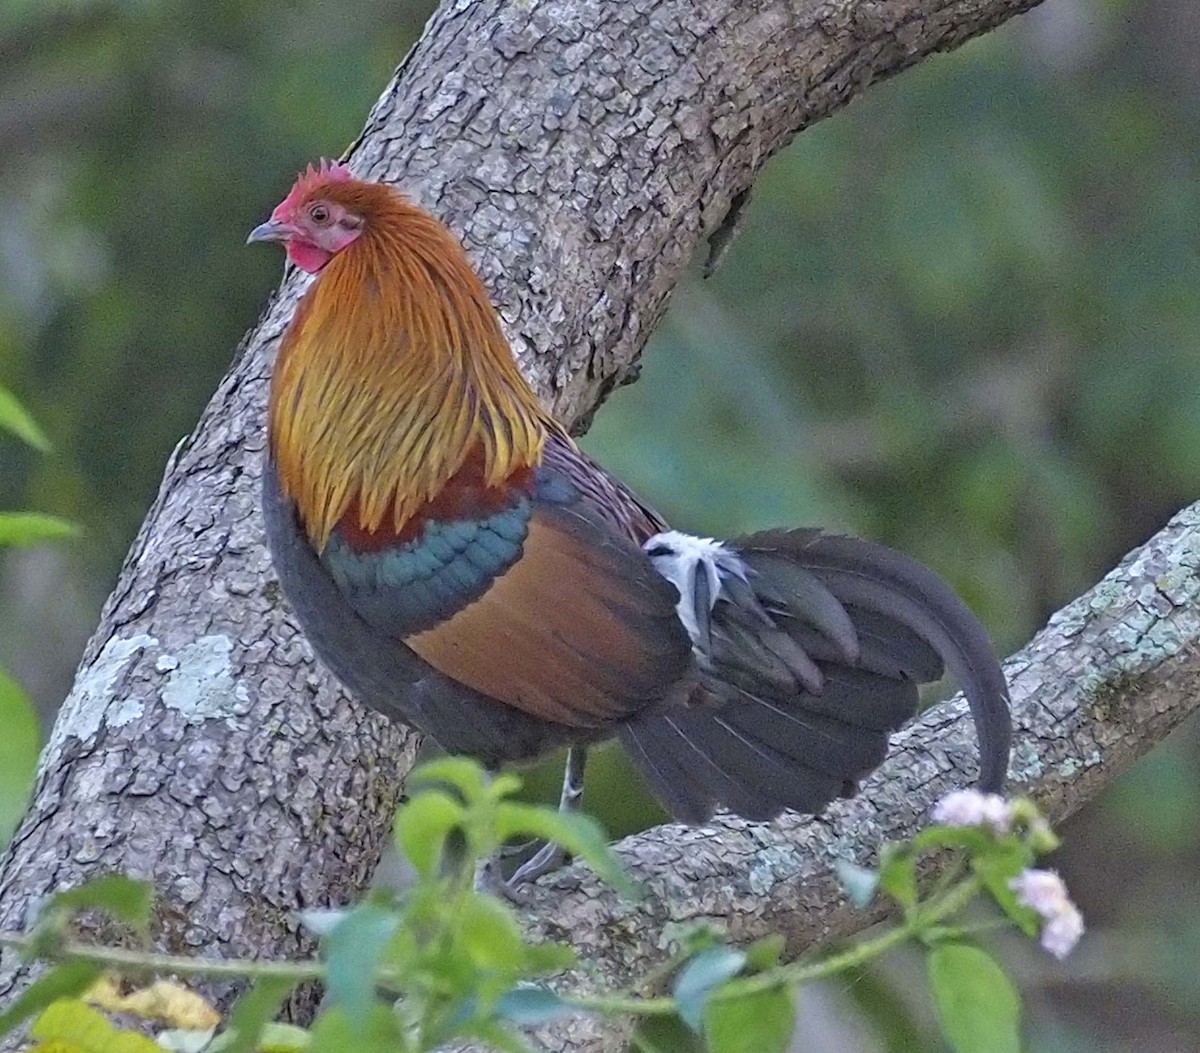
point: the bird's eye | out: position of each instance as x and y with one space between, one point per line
318 214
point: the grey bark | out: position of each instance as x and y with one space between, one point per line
583 149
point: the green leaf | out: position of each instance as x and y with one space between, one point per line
15 419
124 898
996 868
529 1006
860 883
548 957
505 784
274 1038
765 953
321 921
422 826
759 1022
977 1006
898 874
354 950
465 775
666 1034
694 936
68 980
82 1029
284 1038
18 754
973 838
709 969
253 1011
490 935
377 1031
579 834
31 528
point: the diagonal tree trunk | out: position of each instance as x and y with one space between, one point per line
584 149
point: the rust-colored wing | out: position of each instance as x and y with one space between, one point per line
580 630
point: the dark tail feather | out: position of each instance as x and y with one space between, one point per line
914 599
776 726
709 760
653 748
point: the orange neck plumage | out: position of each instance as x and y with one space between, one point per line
393 376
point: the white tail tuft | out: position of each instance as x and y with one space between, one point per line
696 566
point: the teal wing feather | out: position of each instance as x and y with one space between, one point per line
543 601
411 586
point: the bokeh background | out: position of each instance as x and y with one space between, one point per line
963 318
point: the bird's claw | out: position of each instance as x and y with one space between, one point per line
549 857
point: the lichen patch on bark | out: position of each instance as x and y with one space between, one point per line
92 701
202 685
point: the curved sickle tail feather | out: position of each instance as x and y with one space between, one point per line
811 649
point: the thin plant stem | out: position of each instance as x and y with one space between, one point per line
135 962
126 960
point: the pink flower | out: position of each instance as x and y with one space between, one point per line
1062 932
972 808
1044 892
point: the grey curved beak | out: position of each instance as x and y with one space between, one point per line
269 231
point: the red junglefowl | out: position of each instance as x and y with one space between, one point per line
462 566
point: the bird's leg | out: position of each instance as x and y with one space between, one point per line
551 855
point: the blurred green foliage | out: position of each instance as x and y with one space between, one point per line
441 961
18 753
20 739
965 313
138 140
963 318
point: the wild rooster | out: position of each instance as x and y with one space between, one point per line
462 566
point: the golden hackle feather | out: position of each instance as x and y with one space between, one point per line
394 369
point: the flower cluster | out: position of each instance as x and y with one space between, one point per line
1044 892
972 808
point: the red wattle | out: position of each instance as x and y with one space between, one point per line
307 257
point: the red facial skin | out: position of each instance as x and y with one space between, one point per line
313 230
313 233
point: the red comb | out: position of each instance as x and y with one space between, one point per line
310 179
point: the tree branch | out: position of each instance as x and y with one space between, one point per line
1108 678
584 149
